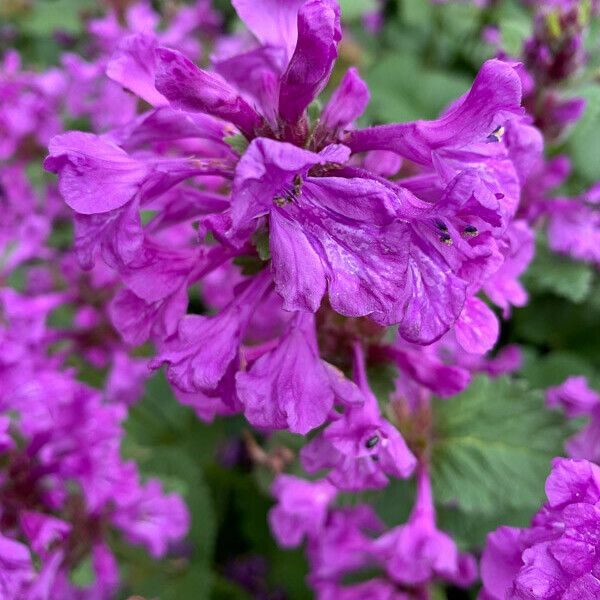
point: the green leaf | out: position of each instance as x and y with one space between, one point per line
553 368
169 442
238 142
583 145
83 574
514 32
395 502
404 90
492 446
146 216
550 272
249 265
470 528
355 9
48 16
260 239
382 378
416 13
545 322
223 589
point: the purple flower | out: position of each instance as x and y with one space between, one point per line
29 105
301 509
424 366
133 67
574 396
105 186
477 328
126 379
275 389
503 287
194 90
148 516
374 589
206 347
494 98
577 399
308 71
43 531
343 545
16 568
24 228
556 557
317 228
574 227
359 448
417 552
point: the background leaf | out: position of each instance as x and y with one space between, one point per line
492 446
551 272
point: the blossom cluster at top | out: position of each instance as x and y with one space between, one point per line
267 250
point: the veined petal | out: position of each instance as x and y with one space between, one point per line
273 22
133 65
494 97
189 88
316 50
288 388
95 176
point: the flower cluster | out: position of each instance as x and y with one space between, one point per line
236 226
65 491
308 238
557 556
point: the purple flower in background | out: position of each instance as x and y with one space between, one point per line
343 545
301 509
577 400
574 226
126 380
29 105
